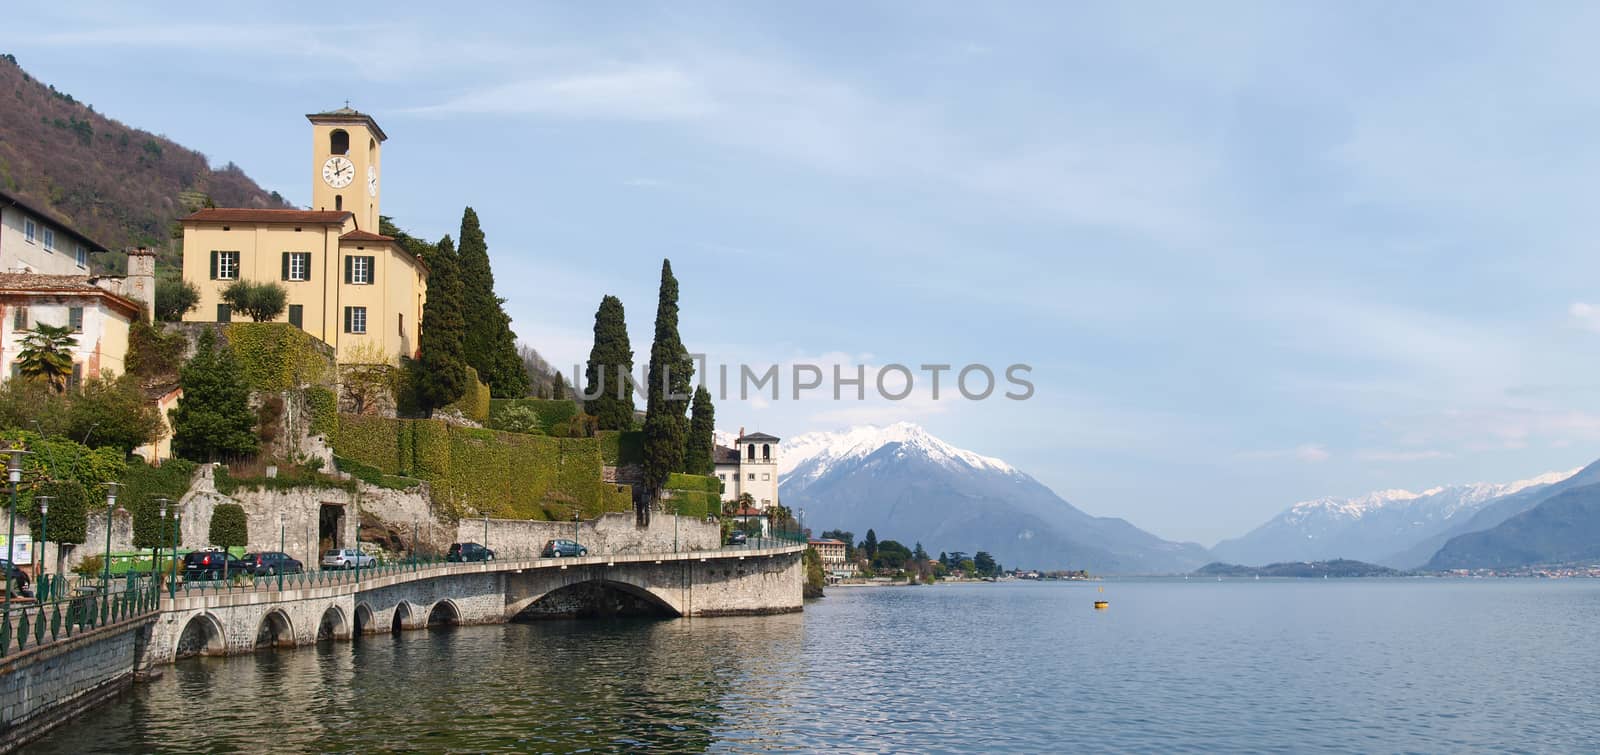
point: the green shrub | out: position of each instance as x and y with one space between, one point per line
262 302
474 403
229 527
288 478
693 482
141 486
69 511
372 476
556 417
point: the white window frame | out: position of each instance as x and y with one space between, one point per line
358 321
223 261
360 271
30 230
304 259
49 239
766 477
81 254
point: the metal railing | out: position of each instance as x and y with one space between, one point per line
89 605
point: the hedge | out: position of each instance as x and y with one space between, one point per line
555 415
473 471
142 485
277 356
323 404
693 482
694 495
287 479
621 448
372 476
474 404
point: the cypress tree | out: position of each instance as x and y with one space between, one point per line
488 345
439 376
698 457
213 418
671 371
610 369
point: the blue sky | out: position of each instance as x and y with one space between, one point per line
1254 252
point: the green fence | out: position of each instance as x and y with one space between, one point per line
29 624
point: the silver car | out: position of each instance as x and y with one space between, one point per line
347 558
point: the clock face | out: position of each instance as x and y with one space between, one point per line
338 171
372 181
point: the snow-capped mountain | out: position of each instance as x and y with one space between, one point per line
910 486
1372 527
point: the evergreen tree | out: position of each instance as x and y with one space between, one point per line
439 376
671 373
213 418
870 545
698 457
488 345
558 389
610 369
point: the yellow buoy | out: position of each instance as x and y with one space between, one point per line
1101 605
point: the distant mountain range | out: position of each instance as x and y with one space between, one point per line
910 486
1337 568
1377 527
1563 528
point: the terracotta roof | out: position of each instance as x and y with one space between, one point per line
95 247
33 283
244 215
360 235
348 114
826 541
747 511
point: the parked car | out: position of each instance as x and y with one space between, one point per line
563 548
212 564
18 577
347 558
267 563
468 552
737 537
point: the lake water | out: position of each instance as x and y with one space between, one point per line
1338 666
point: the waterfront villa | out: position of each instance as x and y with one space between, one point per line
832 553
751 466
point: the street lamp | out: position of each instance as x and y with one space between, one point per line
283 523
413 543
14 470
172 583
44 542
111 507
155 560
485 530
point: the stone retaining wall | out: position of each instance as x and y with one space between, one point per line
608 534
44 686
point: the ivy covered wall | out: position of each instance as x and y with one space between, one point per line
694 495
473 472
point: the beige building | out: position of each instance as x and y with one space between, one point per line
31 242
99 320
751 466
347 284
832 554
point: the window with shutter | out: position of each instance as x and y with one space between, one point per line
224 313
77 377
297 316
19 320
75 319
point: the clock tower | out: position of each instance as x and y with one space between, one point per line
346 149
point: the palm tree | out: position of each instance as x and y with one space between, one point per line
47 353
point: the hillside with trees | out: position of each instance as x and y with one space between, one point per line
120 185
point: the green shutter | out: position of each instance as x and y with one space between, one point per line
349 269
347 316
224 313
308 265
75 319
286 266
297 315
214 254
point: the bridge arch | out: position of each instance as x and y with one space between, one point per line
364 620
201 635
444 613
402 617
275 630
594 597
332 626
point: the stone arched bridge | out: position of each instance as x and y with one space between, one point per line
696 583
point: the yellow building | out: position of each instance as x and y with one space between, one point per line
347 285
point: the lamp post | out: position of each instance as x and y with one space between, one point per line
14 471
574 525
283 523
413 543
155 559
44 542
486 530
111 507
172 583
